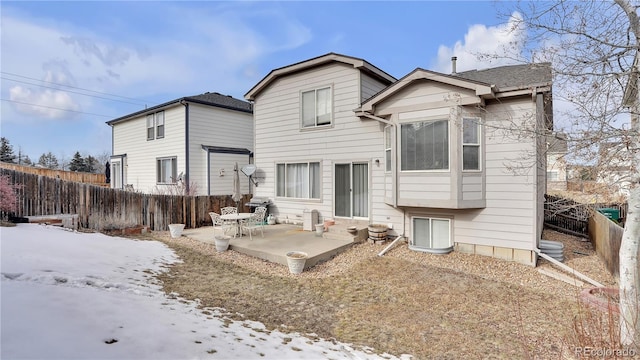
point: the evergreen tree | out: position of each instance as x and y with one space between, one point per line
48 161
77 163
6 151
91 164
26 160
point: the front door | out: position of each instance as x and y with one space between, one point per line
352 190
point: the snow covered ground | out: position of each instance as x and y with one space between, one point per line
69 295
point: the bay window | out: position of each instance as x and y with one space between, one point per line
425 145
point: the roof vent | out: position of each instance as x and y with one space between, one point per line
453 64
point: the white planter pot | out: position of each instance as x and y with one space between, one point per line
296 261
222 243
176 230
319 229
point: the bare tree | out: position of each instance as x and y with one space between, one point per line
593 47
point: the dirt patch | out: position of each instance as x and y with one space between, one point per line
447 307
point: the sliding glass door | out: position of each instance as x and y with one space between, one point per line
352 190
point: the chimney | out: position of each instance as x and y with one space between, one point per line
453 64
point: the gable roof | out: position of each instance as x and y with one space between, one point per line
210 99
357 63
489 83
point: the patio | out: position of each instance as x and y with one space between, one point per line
280 239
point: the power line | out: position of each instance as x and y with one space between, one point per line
55 108
73 92
143 102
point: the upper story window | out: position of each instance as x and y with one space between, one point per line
298 180
150 127
316 107
167 170
155 126
470 144
159 125
425 145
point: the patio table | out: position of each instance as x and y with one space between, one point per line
236 217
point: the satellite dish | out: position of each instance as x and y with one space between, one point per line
249 169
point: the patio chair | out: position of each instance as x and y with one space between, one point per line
218 222
256 221
230 223
229 210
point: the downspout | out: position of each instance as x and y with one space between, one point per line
208 172
186 148
394 170
395 181
400 237
568 269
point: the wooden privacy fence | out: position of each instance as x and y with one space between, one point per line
566 216
606 237
98 207
572 217
58 174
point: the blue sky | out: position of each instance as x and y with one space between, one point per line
68 67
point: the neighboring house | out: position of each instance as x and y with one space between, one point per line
439 158
189 144
556 162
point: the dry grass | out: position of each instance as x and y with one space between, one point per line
445 307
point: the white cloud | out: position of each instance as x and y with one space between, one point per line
200 50
50 104
501 43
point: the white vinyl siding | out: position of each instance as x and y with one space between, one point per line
277 114
214 126
221 179
211 126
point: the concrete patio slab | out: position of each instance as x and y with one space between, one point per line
280 239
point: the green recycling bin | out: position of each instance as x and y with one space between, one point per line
611 213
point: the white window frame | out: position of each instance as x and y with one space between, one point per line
283 186
448 143
387 148
477 144
155 125
553 175
161 176
150 127
431 219
159 119
315 108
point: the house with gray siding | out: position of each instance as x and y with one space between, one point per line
188 144
444 160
